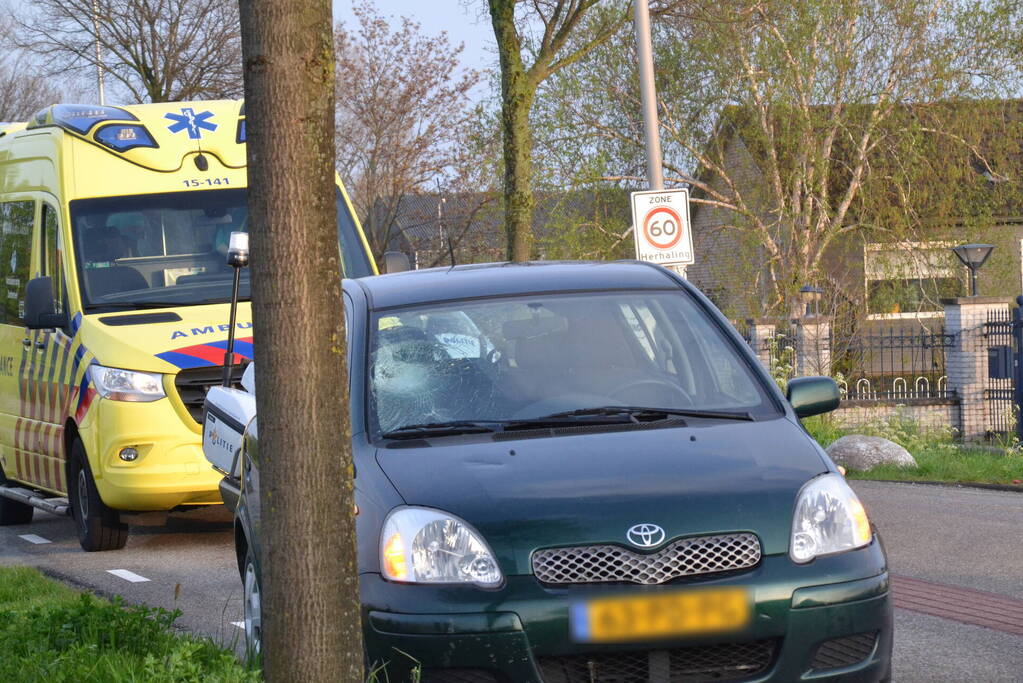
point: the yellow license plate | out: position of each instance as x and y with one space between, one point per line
641 617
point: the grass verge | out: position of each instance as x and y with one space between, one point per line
938 456
50 633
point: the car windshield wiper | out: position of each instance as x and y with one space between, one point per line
488 426
443 429
640 412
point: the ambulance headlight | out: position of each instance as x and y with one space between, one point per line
126 385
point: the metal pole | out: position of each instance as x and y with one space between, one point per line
648 93
99 54
973 281
229 355
648 96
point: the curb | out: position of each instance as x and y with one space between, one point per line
1013 488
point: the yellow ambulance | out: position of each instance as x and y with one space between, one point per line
114 226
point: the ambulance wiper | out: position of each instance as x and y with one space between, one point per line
131 305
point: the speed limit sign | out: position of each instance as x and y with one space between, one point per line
660 220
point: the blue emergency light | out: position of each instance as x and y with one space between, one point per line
121 137
79 118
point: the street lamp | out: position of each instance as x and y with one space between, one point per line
973 257
811 297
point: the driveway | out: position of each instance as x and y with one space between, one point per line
956 556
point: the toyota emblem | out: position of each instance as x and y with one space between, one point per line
645 535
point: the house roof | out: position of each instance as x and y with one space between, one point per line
983 140
479 216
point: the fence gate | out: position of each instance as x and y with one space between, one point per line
998 391
1003 334
1017 357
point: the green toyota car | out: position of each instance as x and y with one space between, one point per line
574 472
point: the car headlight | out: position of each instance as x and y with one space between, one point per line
423 545
126 385
829 519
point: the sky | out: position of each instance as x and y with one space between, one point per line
460 18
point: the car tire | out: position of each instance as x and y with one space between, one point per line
99 527
252 605
11 511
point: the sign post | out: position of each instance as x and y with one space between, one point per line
660 220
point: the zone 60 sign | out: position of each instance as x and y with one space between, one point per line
660 219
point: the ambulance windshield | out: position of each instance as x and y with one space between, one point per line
163 250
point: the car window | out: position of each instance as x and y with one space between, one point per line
527 357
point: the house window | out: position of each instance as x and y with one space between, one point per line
909 279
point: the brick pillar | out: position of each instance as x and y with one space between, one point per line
966 360
813 345
760 331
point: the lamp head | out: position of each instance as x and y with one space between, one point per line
973 256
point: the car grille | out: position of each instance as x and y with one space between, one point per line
193 383
613 563
839 652
458 676
723 662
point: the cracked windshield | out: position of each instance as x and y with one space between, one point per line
151 251
528 358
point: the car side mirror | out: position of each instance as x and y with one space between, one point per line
812 395
396 262
39 313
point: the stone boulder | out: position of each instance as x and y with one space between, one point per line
858 452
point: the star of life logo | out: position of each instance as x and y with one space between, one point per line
189 121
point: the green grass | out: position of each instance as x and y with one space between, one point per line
953 465
50 633
938 456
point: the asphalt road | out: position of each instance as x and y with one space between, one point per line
972 538
950 536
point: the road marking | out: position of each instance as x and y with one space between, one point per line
32 538
239 624
127 575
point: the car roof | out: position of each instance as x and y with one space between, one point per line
503 279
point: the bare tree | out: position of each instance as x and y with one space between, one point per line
401 105
23 90
154 50
785 110
558 20
311 616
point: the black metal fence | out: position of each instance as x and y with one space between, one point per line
892 365
998 392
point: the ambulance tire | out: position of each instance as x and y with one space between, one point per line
99 528
11 511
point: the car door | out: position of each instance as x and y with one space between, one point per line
52 360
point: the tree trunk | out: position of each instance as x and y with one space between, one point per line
311 616
517 94
518 174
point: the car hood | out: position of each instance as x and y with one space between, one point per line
525 494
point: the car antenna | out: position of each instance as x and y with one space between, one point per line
444 233
237 258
